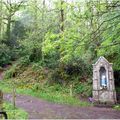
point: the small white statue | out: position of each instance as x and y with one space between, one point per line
103 81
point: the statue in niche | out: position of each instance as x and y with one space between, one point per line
103 82
103 78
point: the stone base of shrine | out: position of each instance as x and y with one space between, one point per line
104 97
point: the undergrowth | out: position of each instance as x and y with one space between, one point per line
52 85
14 113
49 94
117 107
33 77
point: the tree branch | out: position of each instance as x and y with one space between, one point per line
105 22
110 45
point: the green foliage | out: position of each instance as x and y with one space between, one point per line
117 107
59 56
4 55
5 87
1 69
9 73
78 66
14 113
88 33
51 49
117 89
74 70
23 61
31 49
54 93
58 76
84 89
17 68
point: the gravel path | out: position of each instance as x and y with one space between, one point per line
41 109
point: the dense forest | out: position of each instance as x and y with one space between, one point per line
55 42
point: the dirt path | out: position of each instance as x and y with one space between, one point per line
39 109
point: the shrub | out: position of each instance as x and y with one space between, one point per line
85 89
23 61
76 70
17 68
9 73
58 76
14 113
4 55
78 67
117 107
31 48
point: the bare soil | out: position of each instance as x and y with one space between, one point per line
41 109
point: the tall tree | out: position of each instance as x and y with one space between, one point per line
1 18
62 15
11 9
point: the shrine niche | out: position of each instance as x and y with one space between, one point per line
103 82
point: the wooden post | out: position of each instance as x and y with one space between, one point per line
1 99
71 91
1 102
14 96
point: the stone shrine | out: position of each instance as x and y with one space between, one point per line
103 82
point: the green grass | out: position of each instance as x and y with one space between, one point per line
49 95
117 107
14 113
55 97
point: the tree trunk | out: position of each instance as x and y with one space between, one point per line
1 19
62 16
14 96
8 34
43 15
